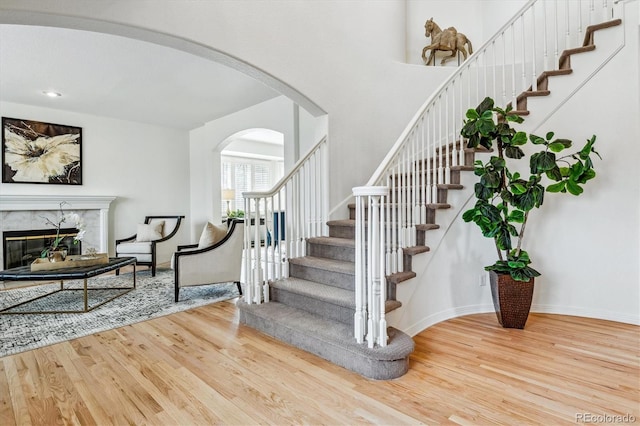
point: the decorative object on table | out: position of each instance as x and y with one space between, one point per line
37 152
56 252
228 195
448 40
73 261
505 198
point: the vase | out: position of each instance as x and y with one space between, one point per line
511 299
57 255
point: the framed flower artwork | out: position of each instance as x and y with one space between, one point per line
37 152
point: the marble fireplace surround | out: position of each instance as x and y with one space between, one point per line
28 212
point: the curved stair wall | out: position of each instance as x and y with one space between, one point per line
515 67
402 261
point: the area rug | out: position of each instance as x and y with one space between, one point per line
153 297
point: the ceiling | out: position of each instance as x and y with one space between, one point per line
117 77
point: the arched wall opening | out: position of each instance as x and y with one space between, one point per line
200 205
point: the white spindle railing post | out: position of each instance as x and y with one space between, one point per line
371 291
360 318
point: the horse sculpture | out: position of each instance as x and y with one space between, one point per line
449 40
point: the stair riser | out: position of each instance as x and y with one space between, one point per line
348 232
347 254
336 279
315 306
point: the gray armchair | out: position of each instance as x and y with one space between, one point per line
154 243
218 263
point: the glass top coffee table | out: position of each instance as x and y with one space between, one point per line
24 273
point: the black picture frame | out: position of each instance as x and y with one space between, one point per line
41 153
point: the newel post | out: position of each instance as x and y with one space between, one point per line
371 288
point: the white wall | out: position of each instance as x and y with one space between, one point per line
146 167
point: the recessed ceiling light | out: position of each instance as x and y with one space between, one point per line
52 94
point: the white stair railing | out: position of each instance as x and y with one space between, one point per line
403 191
278 222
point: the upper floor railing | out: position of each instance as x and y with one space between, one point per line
278 221
402 194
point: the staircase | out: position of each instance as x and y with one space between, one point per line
315 307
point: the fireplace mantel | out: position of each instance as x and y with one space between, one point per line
19 212
52 202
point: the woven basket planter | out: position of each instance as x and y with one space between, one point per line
511 299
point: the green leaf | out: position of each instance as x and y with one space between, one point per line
537 140
482 192
518 188
587 175
574 188
491 180
557 187
498 163
513 152
486 104
556 147
516 216
554 174
503 238
542 161
549 136
469 215
520 138
472 114
514 118
517 265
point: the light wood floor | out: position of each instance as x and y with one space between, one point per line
201 367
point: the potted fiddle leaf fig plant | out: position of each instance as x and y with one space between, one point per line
505 197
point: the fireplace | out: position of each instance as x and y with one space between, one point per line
28 212
21 248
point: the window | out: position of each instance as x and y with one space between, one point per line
247 174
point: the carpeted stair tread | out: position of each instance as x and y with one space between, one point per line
327 293
333 241
342 222
331 340
325 264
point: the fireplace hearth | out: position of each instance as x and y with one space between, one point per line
21 248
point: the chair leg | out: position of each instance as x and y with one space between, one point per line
117 271
239 287
177 292
153 270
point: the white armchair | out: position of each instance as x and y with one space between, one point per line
154 243
220 262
